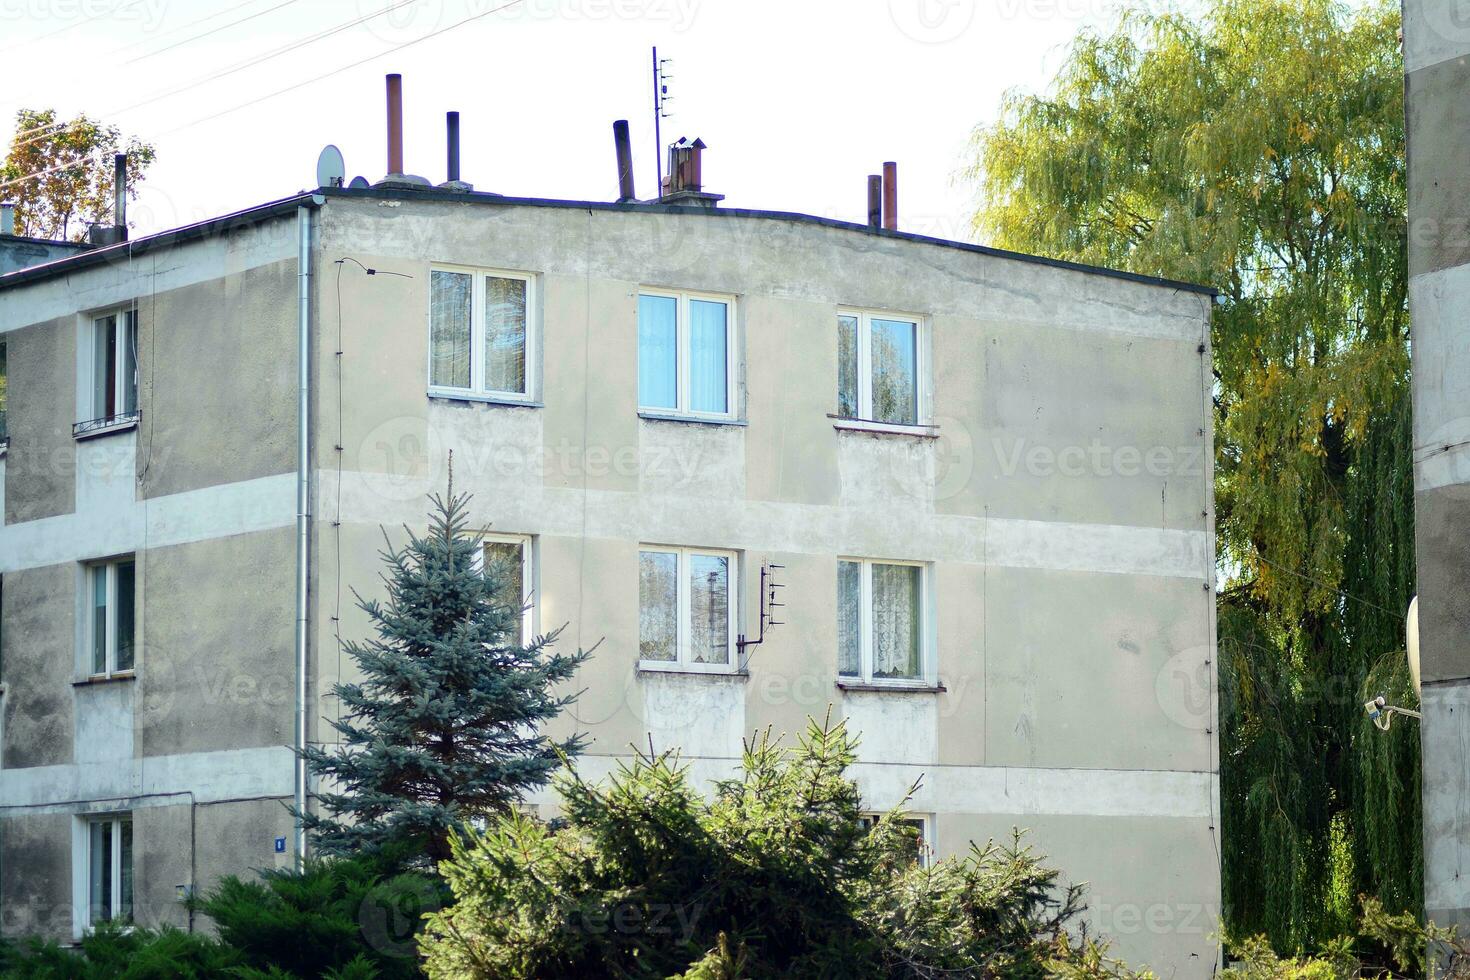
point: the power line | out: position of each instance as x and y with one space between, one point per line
184 27
73 25
213 30
348 67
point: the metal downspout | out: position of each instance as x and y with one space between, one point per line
303 511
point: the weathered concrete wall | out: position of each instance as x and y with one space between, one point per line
40 396
1437 62
38 703
35 886
1064 511
17 252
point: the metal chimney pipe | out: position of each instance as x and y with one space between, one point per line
395 124
875 201
890 195
451 125
120 190
7 219
696 166
625 160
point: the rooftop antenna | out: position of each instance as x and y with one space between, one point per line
661 99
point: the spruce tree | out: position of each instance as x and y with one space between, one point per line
447 723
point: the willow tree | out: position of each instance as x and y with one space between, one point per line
1260 148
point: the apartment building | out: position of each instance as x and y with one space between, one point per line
978 484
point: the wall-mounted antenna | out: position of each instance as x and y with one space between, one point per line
661 99
769 585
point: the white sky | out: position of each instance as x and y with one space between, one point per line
798 101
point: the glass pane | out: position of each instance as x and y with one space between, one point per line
658 377
709 609
658 633
847 367
124 617
449 328
505 567
505 335
125 875
895 371
102 366
896 621
98 575
99 854
849 618
708 389
128 377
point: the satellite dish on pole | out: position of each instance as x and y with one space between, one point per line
330 169
359 183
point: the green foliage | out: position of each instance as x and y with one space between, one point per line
446 725
772 875
351 916
60 174
113 952
1260 148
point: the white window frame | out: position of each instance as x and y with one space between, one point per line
683 352
927 666
114 416
869 819
529 618
923 396
107 566
683 662
477 390
82 907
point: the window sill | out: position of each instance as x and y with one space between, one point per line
509 401
649 668
886 428
120 675
95 428
644 413
918 687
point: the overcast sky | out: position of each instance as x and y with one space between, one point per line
797 100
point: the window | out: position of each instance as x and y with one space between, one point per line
509 558
109 864
110 610
920 825
685 352
4 375
881 634
881 367
480 333
114 393
686 609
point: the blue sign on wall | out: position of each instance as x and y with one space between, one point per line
280 845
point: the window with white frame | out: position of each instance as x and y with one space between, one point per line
481 333
686 354
109 863
507 558
686 609
114 368
881 367
881 630
109 627
919 823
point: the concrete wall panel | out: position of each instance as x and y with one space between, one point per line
40 664
40 465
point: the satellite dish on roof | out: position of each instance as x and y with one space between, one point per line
330 169
359 183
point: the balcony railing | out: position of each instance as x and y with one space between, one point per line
125 420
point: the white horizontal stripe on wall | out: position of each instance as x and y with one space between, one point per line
210 776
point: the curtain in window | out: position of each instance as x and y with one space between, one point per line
505 334
847 366
708 388
104 364
849 618
658 603
709 609
98 575
449 328
895 371
658 377
124 617
505 567
128 376
895 620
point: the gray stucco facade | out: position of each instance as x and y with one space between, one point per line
1437 63
1056 495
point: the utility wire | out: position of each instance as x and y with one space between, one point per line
213 30
184 27
73 25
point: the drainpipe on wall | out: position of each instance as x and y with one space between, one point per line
303 506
